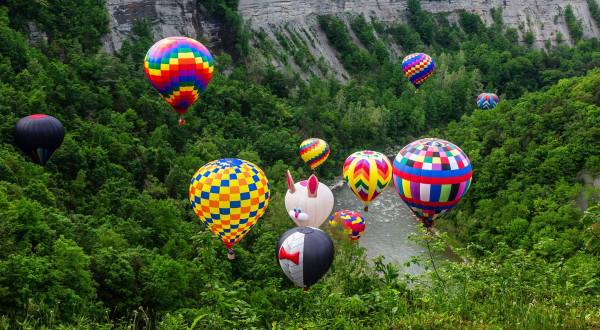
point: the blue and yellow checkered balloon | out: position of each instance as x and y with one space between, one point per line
229 196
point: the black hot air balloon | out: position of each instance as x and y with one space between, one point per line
305 255
39 136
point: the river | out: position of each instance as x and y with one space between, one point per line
389 222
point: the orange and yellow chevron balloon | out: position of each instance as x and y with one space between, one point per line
314 152
229 196
367 174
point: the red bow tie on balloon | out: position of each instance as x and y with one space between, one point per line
293 257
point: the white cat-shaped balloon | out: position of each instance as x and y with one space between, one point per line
308 202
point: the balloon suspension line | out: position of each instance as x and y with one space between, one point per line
429 232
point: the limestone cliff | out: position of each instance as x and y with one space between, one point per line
167 18
290 19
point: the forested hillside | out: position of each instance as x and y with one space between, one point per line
104 235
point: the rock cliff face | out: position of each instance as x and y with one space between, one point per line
544 18
167 18
297 18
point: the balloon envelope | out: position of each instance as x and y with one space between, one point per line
309 202
431 176
38 136
305 255
179 68
229 196
418 67
350 223
367 174
487 101
314 152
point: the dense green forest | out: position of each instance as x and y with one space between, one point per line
104 236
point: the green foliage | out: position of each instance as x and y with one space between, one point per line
420 20
527 155
82 20
529 38
353 57
235 36
573 24
471 23
594 11
404 36
103 236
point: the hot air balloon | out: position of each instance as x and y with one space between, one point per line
431 176
39 136
487 101
418 67
350 223
314 152
308 202
367 174
305 255
179 68
229 196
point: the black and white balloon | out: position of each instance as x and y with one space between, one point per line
305 255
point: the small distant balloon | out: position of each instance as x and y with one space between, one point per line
314 152
350 224
487 101
418 67
38 136
179 68
305 255
431 176
367 174
308 202
229 195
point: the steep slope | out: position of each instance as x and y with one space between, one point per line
283 19
531 157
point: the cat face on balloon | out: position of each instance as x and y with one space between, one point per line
297 215
308 202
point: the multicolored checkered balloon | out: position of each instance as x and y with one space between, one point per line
229 196
179 68
351 223
367 174
314 152
487 101
431 176
418 67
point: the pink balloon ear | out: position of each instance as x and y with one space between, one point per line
313 186
290 182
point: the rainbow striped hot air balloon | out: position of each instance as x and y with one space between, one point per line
418 67
229 196
431 176
487 101
367 174
351 223
314 152
179 68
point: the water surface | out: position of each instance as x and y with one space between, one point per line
389 222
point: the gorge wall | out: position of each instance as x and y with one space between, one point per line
297 19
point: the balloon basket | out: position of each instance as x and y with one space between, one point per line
181 121
366 209
306 289
230 254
